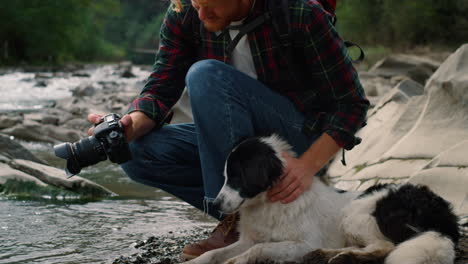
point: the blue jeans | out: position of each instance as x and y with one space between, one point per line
187 160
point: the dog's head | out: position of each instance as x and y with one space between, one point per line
251 168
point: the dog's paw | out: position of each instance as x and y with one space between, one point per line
343 258
318 256
357 258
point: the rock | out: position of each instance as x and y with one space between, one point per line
449 182
58 178
84 90
417 68
81 74
20 165
34 131
7 173
7 121
43 118
127 73
182 110
12 150
78 124
417 135
82 106
50 120
374 85
401 94
41 83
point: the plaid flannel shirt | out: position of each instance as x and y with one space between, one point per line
331 95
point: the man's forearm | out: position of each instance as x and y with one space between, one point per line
319 153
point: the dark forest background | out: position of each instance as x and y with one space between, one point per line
63 31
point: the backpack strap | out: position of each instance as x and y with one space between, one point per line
244 30
361 57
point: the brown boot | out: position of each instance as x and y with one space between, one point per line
223 235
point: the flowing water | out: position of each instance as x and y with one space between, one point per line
72 230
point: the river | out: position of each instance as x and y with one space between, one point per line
73 230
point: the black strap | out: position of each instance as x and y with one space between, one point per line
243 30
343 158
350 44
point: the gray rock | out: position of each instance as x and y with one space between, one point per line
127 72
78 124
11 150
7 173
84 90
58 178
417 68
374 85
416 135
449 182
81 74
7 121
183 110
50 120
34 131
43 118
401 94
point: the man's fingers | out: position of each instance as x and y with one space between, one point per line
286 192
126 120
94 118
293 196
284 182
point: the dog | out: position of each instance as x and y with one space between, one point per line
391 224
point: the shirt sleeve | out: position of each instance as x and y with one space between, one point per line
167 80
335 80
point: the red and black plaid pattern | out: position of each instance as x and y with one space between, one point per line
330 95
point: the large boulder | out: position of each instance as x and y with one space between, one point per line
8 173
37 132
19 165
417 68
13 150
58 178
416 135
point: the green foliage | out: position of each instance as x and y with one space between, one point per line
55 31
30 190
404 23
58 31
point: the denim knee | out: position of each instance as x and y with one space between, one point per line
203 77
133 167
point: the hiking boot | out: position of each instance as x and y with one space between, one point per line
224 234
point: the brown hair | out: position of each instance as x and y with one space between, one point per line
177 5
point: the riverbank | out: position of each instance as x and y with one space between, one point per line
412 98
166 250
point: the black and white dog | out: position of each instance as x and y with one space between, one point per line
406 224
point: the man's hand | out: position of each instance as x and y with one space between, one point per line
299 172
135 124
296 179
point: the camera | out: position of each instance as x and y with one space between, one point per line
107 141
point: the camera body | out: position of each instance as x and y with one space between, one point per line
107 141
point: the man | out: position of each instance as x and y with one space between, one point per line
317 107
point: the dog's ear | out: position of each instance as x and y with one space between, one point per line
260 172
252 167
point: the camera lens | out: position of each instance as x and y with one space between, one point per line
65 151
86 152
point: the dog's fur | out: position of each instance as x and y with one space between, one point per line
385 224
